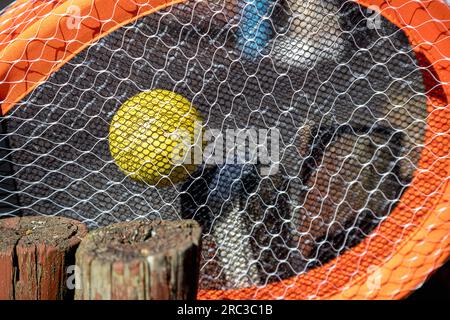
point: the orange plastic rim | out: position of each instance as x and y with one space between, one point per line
398 255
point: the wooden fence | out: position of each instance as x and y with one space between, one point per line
52 258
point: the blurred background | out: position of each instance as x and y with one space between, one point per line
437 287
4 3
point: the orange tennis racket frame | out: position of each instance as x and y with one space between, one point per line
400 253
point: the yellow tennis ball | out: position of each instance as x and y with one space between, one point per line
152 137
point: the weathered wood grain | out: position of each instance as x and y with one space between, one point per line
34 255
143 260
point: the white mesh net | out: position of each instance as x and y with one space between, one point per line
330 90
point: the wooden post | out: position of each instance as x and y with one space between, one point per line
34 255
140 260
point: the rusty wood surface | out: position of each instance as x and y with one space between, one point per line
34 255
